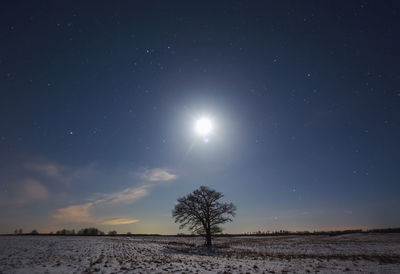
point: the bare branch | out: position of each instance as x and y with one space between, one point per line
202 212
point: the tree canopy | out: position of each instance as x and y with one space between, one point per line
202 212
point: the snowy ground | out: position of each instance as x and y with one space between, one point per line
378 253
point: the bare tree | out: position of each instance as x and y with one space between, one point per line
112 233
202 212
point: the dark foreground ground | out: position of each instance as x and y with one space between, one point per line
354 253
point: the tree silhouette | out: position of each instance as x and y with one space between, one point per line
91 231
112 233
202 212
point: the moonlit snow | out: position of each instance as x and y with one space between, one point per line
361 253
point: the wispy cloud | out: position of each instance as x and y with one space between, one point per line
57 172
33 190
48 169
75 214
26 192
83 213
158 175
121 221
128 195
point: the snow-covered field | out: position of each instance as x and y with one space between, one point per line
378 253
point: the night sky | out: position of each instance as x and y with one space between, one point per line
99 101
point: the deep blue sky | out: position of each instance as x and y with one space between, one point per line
99 100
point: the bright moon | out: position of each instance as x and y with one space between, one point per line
203 126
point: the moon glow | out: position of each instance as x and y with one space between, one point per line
203 126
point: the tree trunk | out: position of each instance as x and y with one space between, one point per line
208 239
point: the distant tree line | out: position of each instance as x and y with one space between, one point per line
18 231
287 232
315 232
91 231
65 232
385 230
